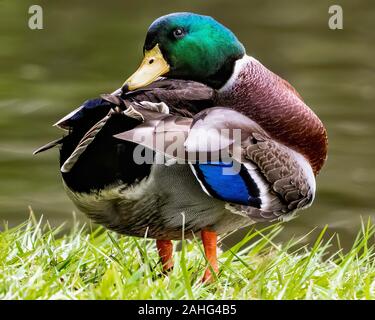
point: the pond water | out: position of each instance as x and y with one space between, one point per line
89 47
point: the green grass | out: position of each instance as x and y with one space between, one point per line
36 262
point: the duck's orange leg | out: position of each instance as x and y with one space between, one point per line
165 249
209 239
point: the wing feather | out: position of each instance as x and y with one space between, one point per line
283 176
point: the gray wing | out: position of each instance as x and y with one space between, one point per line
283 177
286 178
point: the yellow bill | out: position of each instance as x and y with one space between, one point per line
152 67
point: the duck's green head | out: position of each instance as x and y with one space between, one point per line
187 46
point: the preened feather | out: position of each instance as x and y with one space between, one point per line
49 145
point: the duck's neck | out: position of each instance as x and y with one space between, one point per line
276 106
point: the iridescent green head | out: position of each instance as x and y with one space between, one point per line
188 46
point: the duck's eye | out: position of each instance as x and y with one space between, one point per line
178 33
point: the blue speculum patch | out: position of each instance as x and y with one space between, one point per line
237 187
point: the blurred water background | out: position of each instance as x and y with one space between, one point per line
89 47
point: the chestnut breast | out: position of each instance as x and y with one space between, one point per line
278 108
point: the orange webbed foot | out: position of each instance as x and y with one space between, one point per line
209 239
165 249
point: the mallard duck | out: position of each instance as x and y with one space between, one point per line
195 79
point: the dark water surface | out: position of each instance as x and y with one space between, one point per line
90 47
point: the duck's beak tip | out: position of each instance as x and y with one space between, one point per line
152 67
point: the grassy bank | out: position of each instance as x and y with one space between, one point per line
37 263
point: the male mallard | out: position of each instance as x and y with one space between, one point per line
209 85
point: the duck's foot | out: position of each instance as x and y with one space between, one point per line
165 249
209 239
